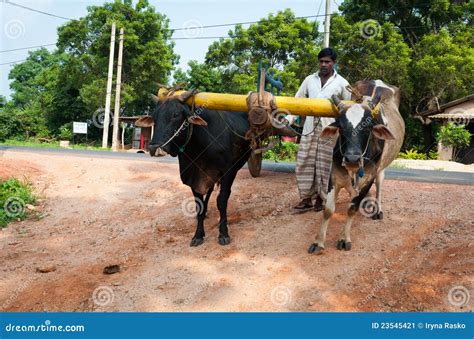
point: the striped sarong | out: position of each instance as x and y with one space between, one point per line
313 164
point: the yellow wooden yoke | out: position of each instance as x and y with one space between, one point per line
238 103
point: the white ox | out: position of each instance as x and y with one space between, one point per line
369 137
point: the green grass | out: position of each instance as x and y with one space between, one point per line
14 196
53 144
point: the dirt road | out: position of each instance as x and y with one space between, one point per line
136 214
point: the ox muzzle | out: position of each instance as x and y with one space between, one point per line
156 151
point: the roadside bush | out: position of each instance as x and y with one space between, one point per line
65 132
14 196
455 136
414 154
283 151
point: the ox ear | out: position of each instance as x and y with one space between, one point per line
330 131
145 122
197 120
382 132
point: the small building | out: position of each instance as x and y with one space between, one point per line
141 136
459 111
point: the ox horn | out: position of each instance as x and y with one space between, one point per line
186 95
337 102
375 110
154 98
374 104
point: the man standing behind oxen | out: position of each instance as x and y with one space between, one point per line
314 157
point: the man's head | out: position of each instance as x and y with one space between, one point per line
327 60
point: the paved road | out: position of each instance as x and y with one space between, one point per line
391 173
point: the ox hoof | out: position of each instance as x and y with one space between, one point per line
378 216
223 240
316 249
344 245
196 242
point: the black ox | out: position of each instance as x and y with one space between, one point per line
210 148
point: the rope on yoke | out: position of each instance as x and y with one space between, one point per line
359 98
260 106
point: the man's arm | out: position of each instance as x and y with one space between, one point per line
345 94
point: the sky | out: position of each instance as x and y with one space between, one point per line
24 28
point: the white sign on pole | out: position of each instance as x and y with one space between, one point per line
79 127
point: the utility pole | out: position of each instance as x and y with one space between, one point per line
115 139
327 23
105 132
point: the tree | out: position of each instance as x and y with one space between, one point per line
442 71
440 36
148 53
201 77
25 76
368 50
29 107
414 19
444 65
371 52
285 43
51 89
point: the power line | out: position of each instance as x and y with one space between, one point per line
193 27
172 29
191 38
22 48
185 28
203 37
240 23
182 38
35 10
12 62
